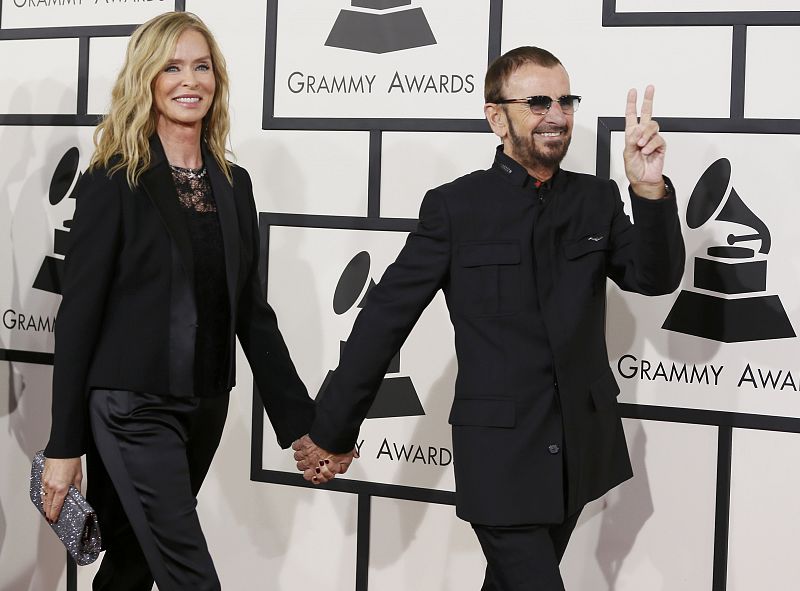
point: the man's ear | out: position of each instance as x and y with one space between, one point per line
496 116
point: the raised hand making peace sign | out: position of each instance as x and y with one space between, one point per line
644 148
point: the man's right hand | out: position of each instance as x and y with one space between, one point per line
57 476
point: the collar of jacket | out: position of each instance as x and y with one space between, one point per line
160 188
515 173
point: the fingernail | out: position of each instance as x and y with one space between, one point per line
314 479
321 463
317 470
327 461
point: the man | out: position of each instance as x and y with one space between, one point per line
522 252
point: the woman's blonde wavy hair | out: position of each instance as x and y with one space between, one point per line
122 139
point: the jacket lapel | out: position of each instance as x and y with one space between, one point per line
228 221
159 186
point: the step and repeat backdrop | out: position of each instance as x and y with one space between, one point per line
345 112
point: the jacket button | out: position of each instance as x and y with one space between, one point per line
554 449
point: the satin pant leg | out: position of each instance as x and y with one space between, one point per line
157 450
124 567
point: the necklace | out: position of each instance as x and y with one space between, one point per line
189 173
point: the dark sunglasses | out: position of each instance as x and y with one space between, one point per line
539 105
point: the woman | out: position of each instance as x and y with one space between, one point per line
161 274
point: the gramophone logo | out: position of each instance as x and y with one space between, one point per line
733 306
380 28
64 177
396 396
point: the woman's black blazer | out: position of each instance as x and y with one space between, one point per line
128 318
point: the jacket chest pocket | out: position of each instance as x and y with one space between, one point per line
489 282
593 242
586 258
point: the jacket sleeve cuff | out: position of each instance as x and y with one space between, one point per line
668 187
331 440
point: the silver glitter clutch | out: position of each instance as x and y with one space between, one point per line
77 526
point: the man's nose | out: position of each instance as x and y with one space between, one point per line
555 114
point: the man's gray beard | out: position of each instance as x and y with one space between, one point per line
530 156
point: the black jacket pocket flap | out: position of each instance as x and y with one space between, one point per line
489 253
482 412
586 244
605 390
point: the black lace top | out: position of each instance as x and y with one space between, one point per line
210 286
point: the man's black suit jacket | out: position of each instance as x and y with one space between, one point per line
127 320
507 263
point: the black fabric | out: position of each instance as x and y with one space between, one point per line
208 254
128 316
157 451
524 557
124 566
523 273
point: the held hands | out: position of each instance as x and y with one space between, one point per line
57 475
644 148
318 465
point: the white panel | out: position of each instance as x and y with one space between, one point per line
265 532
74 13
321 173
403 449
39 76
307 172
419 546
286 537
87 573
412 163
604 63
448 73
764 511
31 557
655 531
705 5
30 225
772 50
106 55
756 376
241 37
